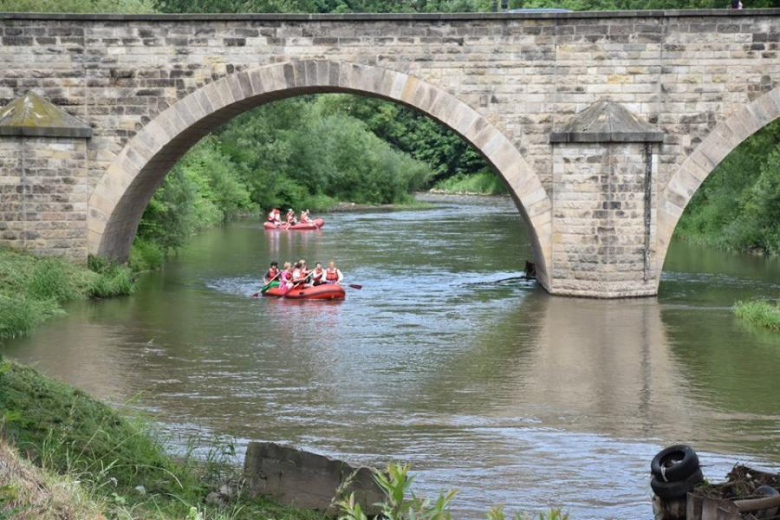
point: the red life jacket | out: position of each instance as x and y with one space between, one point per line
332 275
317 276
272 273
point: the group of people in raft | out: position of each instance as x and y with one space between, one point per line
298 275
275 217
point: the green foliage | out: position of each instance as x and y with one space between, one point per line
19 315
78 6
484 183
32 289
760 313
738 206
402 504
53 279
145 255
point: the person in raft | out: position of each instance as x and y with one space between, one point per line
271 276
305 217
317 275
286 278
299 275
333 273
275 217
291 220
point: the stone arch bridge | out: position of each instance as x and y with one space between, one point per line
602 125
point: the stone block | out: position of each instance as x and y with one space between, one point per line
307 480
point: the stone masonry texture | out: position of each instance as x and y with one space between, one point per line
151 85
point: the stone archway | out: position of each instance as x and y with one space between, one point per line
122 194
681 188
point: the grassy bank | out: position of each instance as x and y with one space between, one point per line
482 183
761 313
91 461
33 289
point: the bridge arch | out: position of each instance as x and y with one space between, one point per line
724 138
123 192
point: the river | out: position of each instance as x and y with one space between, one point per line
500 391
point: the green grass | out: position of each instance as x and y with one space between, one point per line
33 289
71 435
760 313
482 183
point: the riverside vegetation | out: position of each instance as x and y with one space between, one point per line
761 313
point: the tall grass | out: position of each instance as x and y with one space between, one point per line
760 313
482 183
33 289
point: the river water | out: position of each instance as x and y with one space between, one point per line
497 390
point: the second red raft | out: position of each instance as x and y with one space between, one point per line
319 292
312 226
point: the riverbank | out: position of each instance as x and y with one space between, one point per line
33 289
482 183
82 459
761 313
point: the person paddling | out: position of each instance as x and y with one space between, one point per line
291 220
305 217
333 273
298 275
318 275
286 277
275 217
271 276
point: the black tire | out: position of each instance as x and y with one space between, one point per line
674 463
766 491
675 490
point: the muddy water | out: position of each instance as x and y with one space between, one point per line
498 390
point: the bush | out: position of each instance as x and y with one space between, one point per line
761 313
113 281
483 183
19 314
145 255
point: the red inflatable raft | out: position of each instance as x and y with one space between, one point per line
321 292
316 224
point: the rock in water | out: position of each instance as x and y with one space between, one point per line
307 480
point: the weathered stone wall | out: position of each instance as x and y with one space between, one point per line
526 75
600 229
43 195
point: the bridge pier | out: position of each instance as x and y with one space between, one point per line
43 179
603 221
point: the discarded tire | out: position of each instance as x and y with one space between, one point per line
674 490
674 464
766 491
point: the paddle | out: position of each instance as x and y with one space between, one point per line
355 286
266 286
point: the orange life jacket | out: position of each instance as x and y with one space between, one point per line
332 275
272 273
317 276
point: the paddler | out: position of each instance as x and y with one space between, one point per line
291 220
298 275
275 217
271 276
305 217
286 277
318 275
333 273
